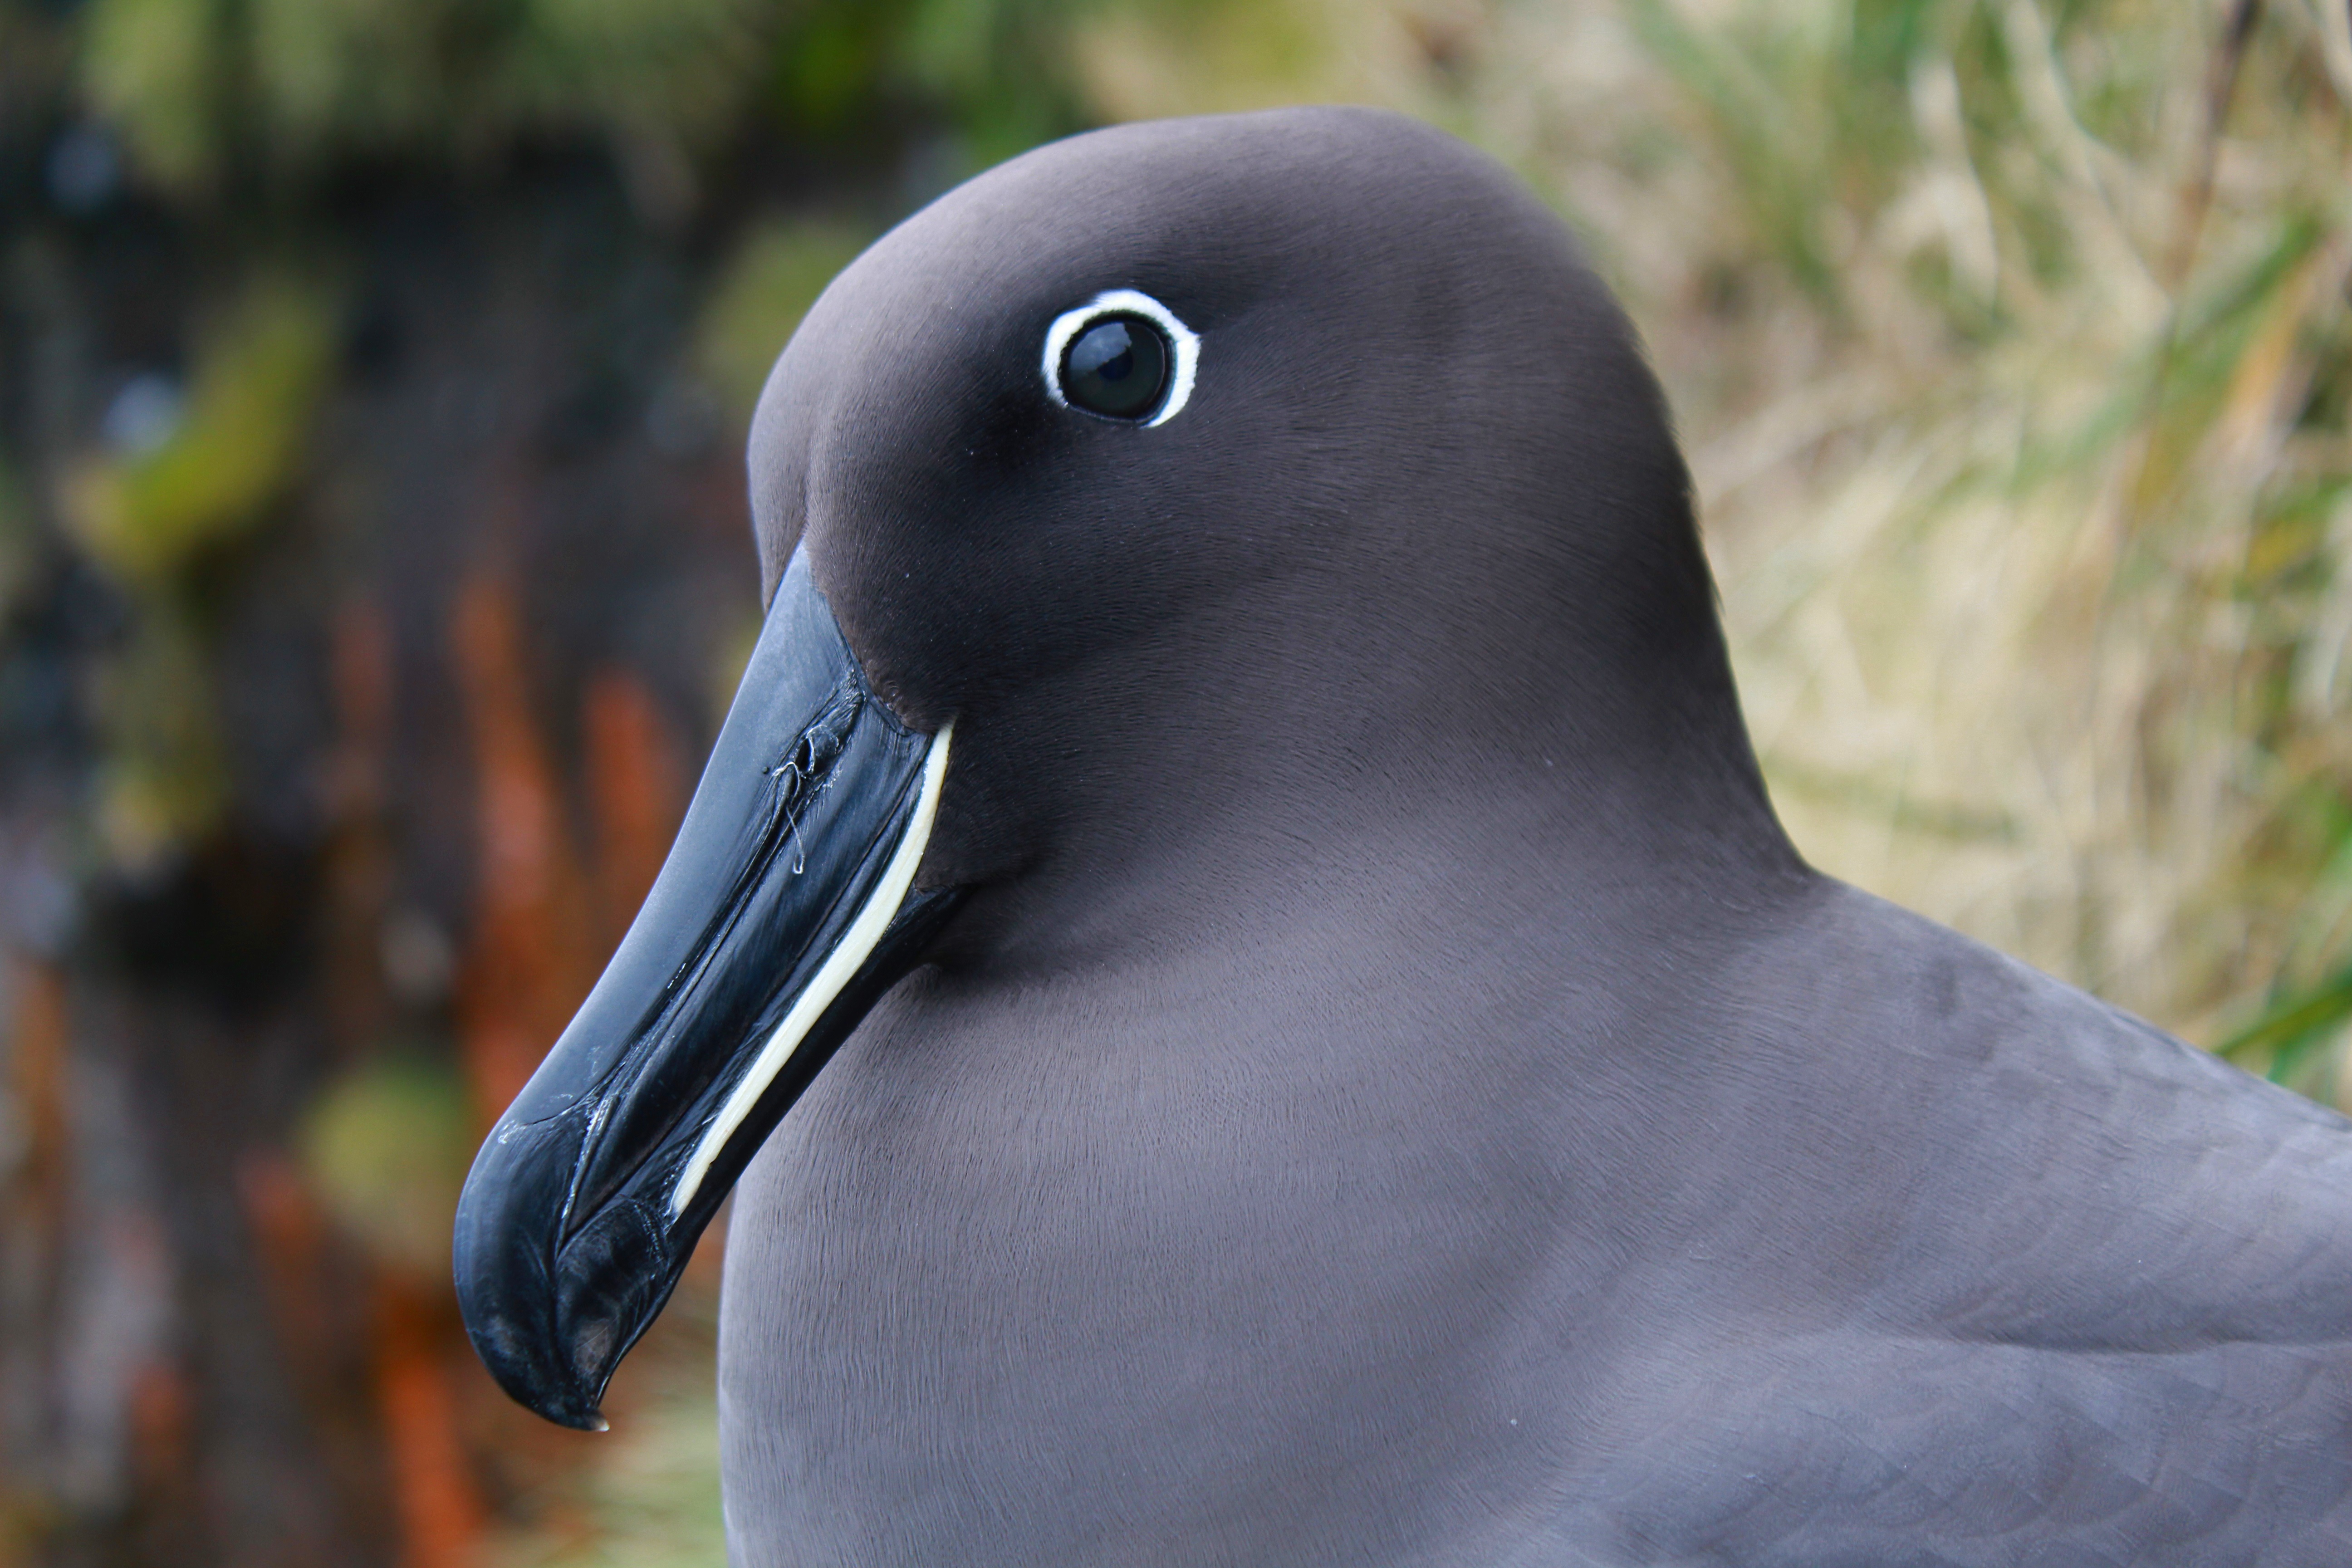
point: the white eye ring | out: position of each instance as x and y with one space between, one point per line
1182 340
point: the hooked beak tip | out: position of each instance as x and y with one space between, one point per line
551 1392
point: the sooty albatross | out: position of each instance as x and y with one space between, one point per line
1304 1040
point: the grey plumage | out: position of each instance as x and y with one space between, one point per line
1391 1094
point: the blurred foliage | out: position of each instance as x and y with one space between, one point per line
386 1147
2291 1038
207 89
164 781
195 475
292 85
774 276
211 472
18 542
1149 58
1000 66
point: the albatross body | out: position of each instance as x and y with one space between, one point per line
1306 1042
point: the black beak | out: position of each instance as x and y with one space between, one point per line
785 909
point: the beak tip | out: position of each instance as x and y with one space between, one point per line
546 1392
578 1418
580 1415
551 1331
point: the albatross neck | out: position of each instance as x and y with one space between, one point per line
1321 758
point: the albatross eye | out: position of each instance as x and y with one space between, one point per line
1117 368
1121 355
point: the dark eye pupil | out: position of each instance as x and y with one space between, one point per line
1117 368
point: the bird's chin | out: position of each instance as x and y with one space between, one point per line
785 909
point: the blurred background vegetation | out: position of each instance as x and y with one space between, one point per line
373 569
